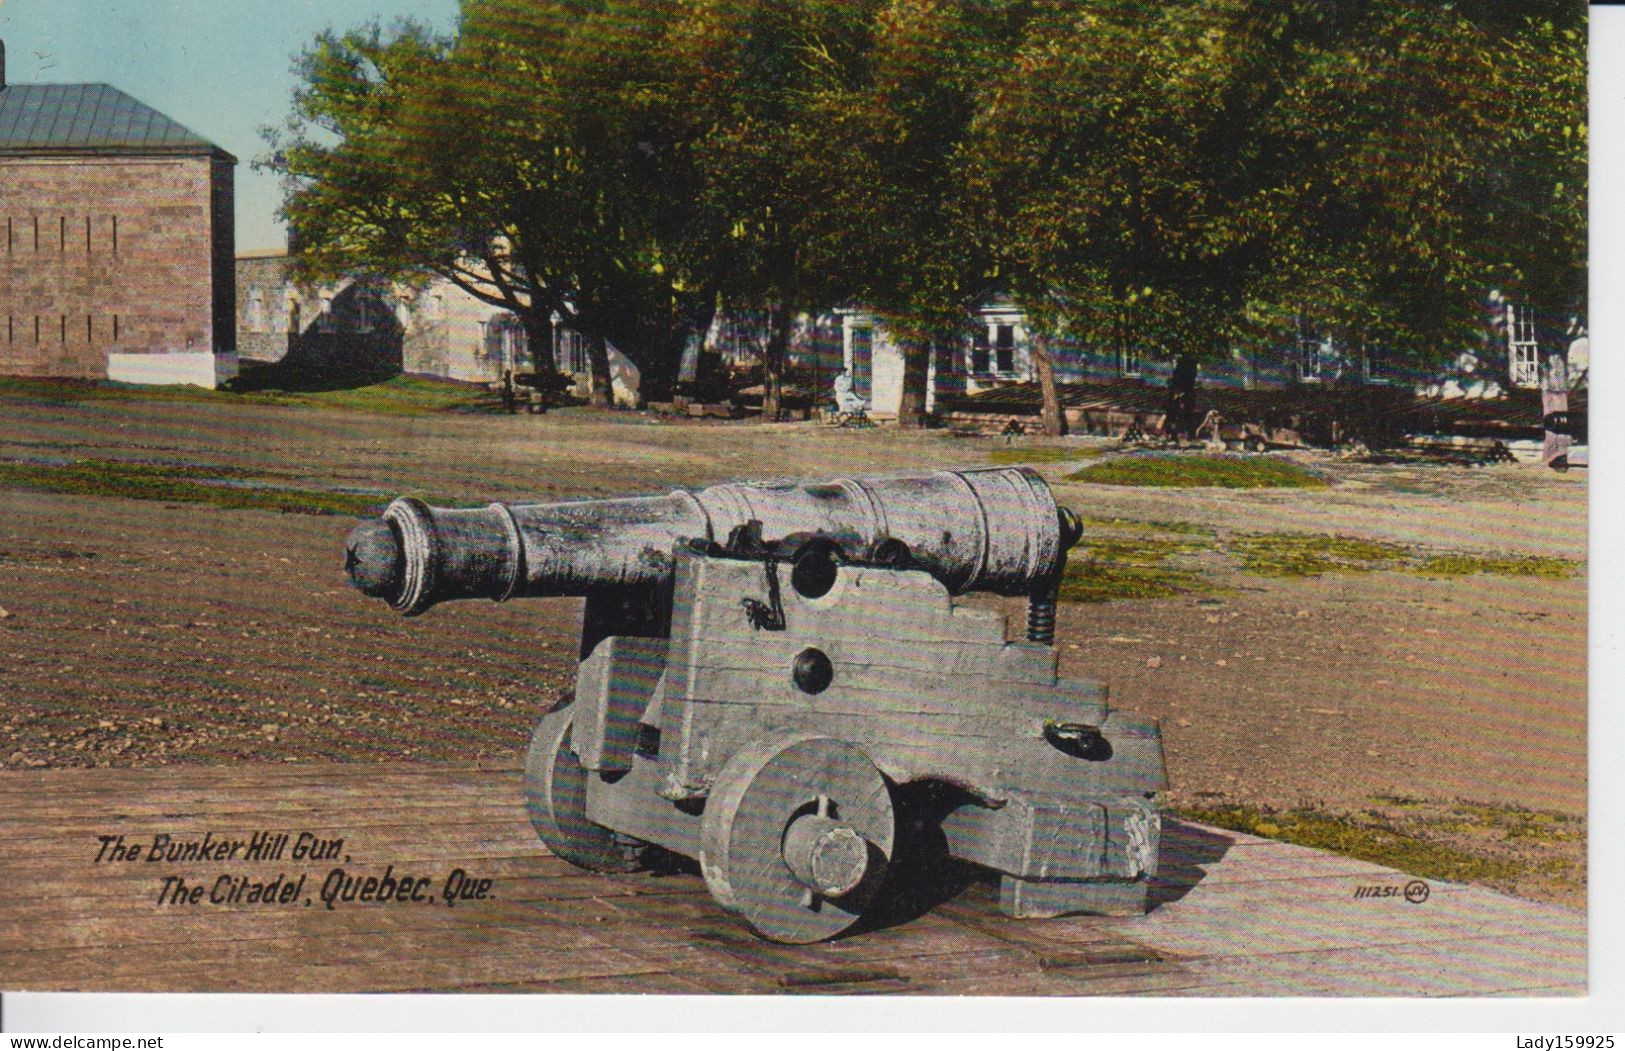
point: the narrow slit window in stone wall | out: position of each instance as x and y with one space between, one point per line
62 234
90 330
115 234
36 233
115 328
87 235
64 337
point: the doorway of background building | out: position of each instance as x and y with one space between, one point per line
862 362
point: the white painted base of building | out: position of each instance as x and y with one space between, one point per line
180 368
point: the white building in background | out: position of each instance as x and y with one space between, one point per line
998 353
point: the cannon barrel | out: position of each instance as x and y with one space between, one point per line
996 530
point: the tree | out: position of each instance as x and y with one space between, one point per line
754 80
362 194
527 162
900 213
1201 174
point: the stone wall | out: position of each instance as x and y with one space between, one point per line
367 327
361 325
114 254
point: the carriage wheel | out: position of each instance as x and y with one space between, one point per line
556 797
796 836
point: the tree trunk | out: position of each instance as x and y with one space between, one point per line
916 374
539 337
1052 421
1554 406
657 381
602 391
773 359
1181 398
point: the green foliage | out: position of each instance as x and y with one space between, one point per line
1136 526
758 83
1044 454
1366 837
1107 568
355 198
1457 564
217 486
1254 472
1311 554
531 161
1196 176
398 396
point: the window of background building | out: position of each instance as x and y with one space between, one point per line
1523 352
980 354
1004 348
572 352
1128 360
1319 359
1373 359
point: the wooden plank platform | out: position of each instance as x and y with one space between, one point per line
1235 915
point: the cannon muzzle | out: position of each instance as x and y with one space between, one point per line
997 530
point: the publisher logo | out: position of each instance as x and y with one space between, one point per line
1415 892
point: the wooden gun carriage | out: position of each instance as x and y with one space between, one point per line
765 666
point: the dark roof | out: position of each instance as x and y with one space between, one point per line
89 118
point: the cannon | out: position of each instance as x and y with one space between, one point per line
768 669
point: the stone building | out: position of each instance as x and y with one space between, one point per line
367 328
116 240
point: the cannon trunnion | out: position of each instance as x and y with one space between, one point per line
769 681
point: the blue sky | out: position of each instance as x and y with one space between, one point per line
220 67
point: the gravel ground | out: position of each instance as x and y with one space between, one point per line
140 632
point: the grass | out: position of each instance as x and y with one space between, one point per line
398 396
65 391
1511 823
1044 454
1311 554
1122 558
1140 527
1254 472
1104 568
196 485
1366 837
1509 847
1457 564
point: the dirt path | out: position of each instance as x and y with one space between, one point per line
140 632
